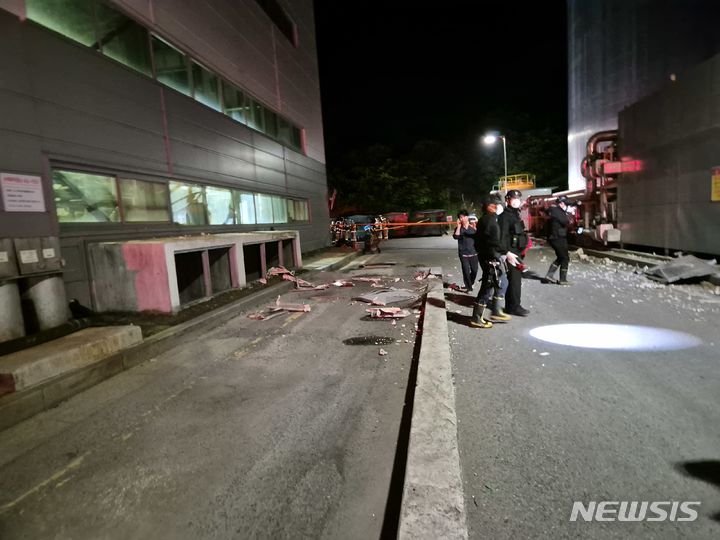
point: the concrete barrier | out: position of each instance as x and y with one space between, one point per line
433 504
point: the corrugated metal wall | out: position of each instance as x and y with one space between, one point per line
622 50
675 134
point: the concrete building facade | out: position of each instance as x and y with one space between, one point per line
134 119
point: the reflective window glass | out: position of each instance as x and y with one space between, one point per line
297 138
205 87
233 102
279 210
271 123
264 208
284 131
245 206
144 201
256 118
297 210
85 198
220 207
71 18
122 39
188 204
171 67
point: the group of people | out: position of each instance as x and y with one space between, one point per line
496 245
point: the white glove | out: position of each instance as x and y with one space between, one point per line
511 258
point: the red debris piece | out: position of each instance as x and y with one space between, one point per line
388 313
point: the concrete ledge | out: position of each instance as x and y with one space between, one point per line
38 364
433 504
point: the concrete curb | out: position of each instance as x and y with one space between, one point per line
433 504
19 406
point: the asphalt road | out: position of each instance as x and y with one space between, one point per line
542 425
252 429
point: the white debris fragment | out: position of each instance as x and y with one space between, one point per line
544 354
382 352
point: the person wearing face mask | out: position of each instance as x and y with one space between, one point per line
465 236
513 241
557 238
492 287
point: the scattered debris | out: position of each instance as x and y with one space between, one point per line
389 296
685 267
277 271
544 354
382 352
388 313
263 281
292 307
343 283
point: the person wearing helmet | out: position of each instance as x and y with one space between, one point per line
513 241
557 238
487 242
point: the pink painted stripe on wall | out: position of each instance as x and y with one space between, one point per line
152 290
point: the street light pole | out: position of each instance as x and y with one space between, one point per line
504 155
491 138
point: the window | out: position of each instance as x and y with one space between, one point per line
85 198
256 119
220 207
264 208
284 131
279 210
144 201
205 87
122 39
297 210
171 67
271 123
233 102
71 18
188 204
297 138
280 18
245 206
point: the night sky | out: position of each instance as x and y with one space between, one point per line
394 72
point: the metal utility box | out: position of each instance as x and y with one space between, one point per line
38 255
8 262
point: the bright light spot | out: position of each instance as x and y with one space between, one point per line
615 337
489 139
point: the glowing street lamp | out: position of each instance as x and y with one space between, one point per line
490 139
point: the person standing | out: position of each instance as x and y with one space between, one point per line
513 241
489 254
557 237
465 236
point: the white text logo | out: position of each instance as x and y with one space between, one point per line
634 511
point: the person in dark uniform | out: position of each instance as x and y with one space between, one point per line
513 240
487 242
465 236
557 237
